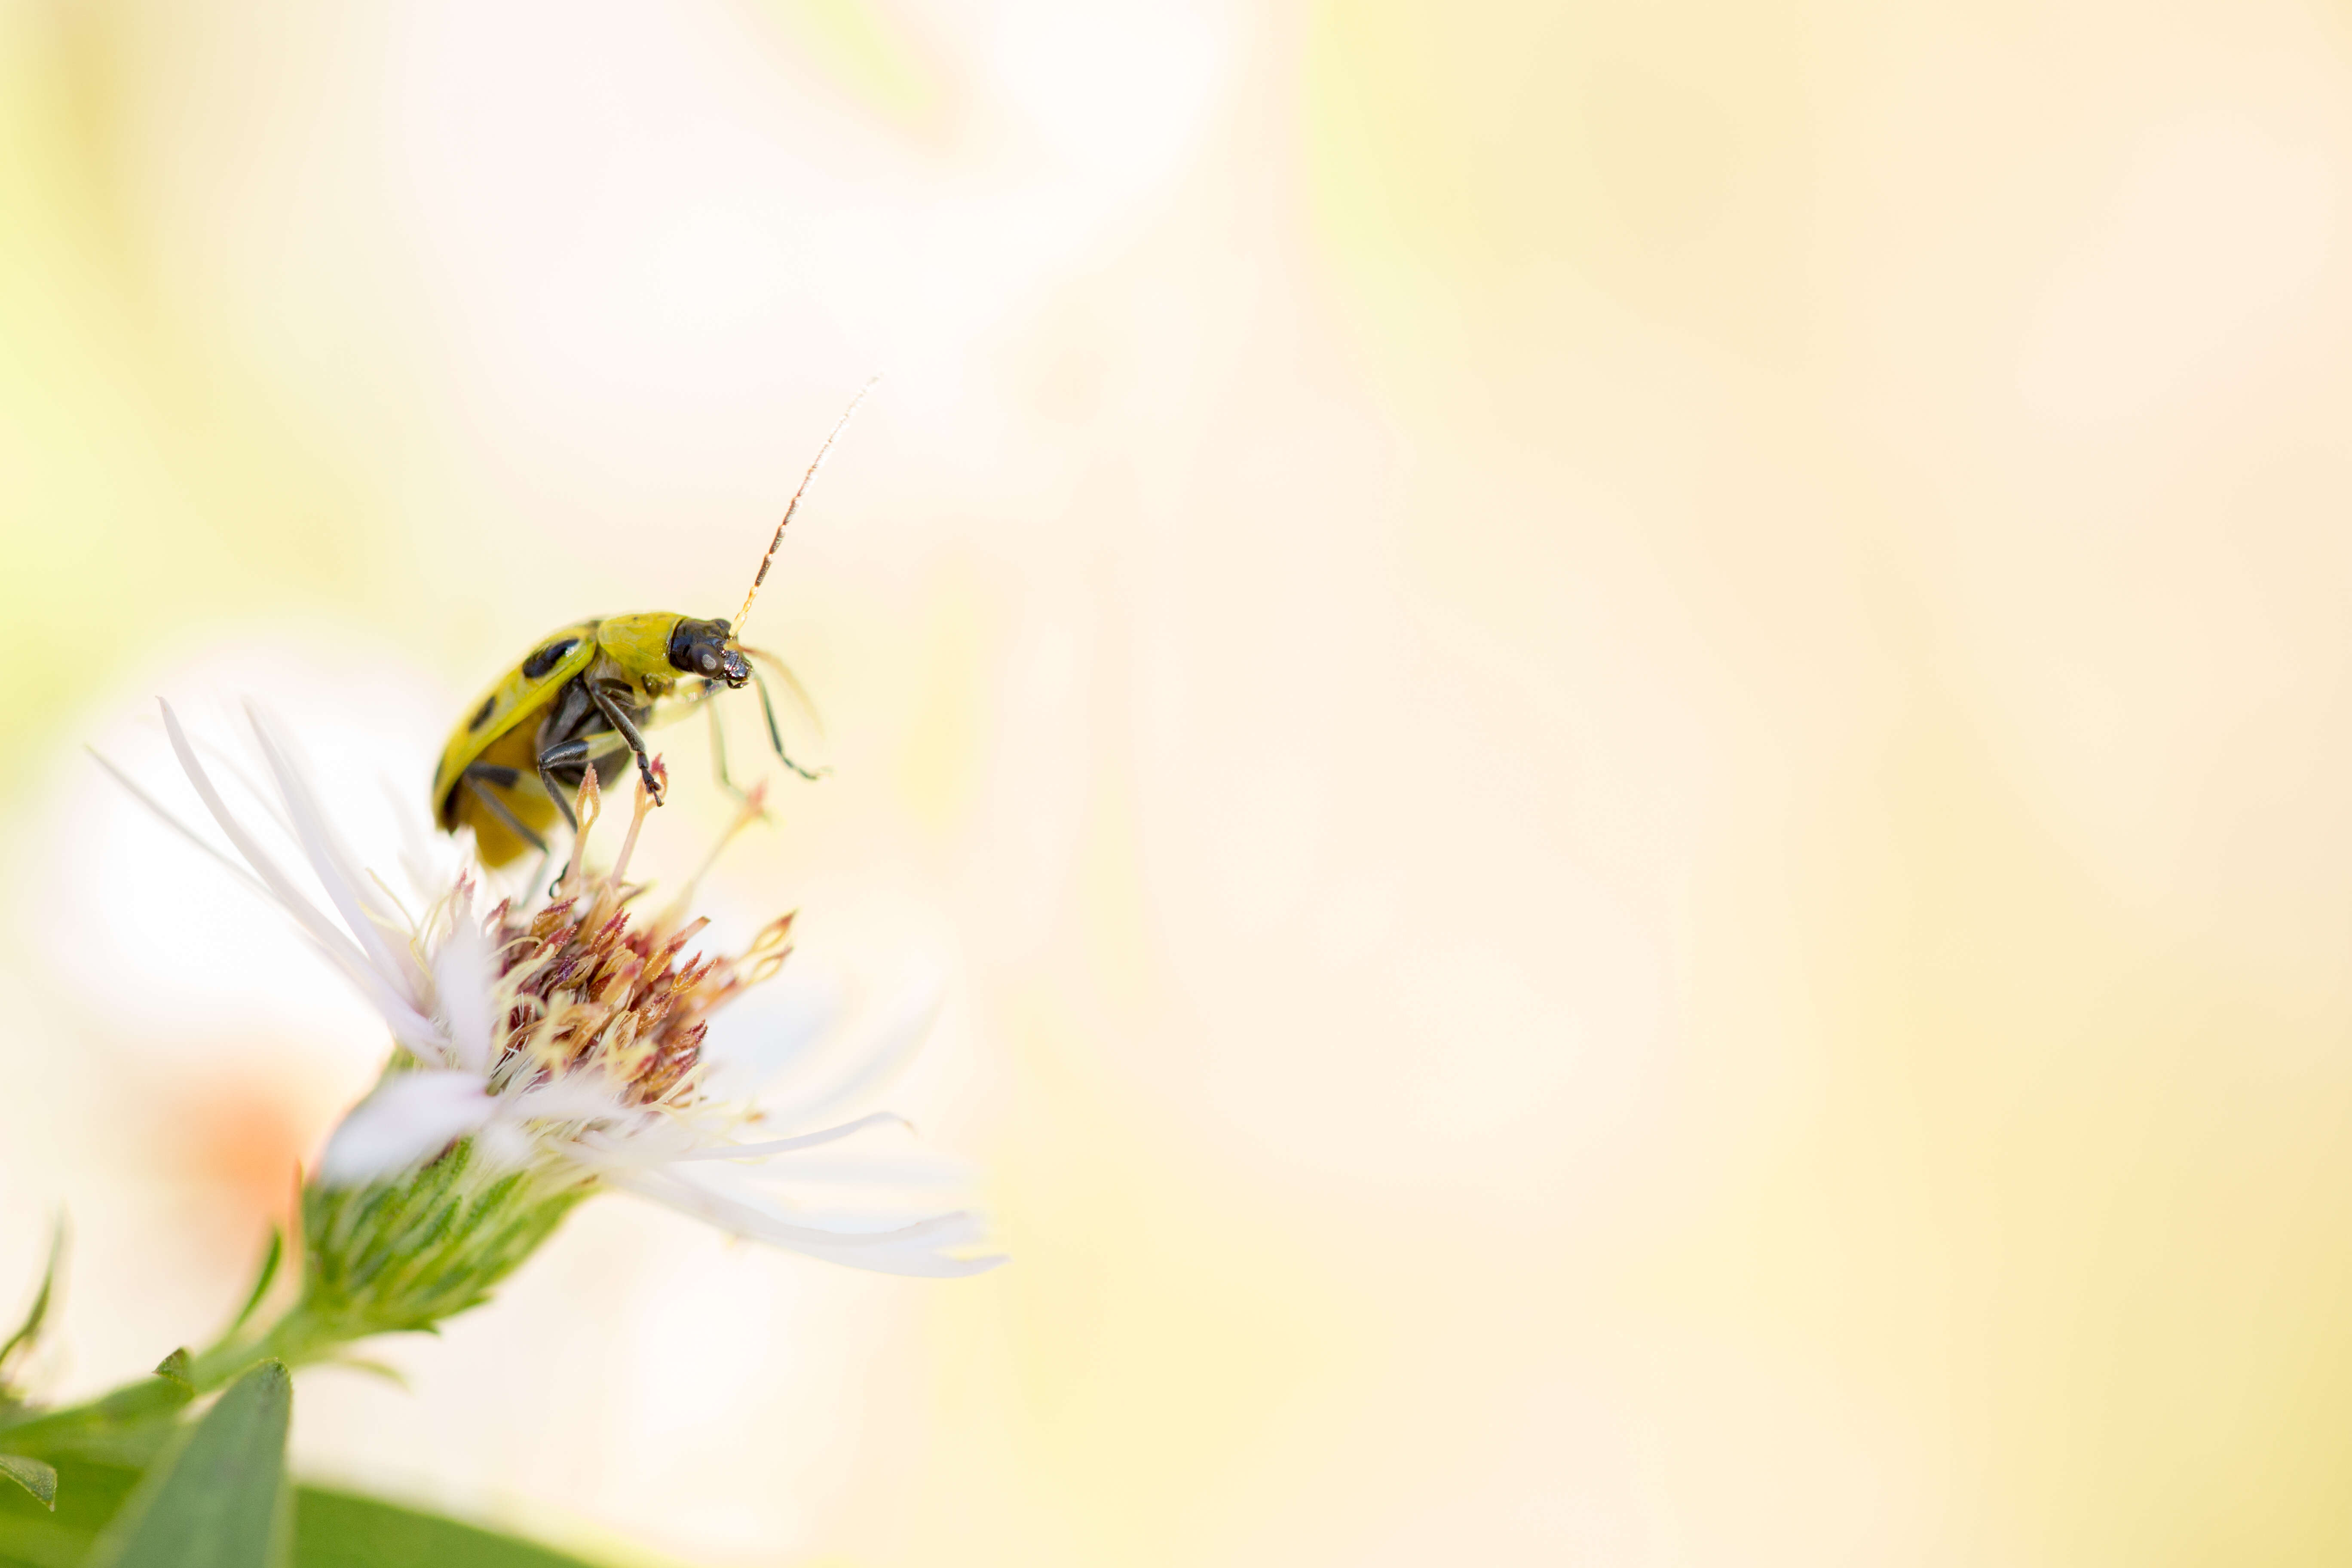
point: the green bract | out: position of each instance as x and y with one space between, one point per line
406 1252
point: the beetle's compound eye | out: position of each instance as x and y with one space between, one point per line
691 646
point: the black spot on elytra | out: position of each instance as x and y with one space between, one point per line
548 658
489 706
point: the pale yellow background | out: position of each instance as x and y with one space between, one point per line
1625 729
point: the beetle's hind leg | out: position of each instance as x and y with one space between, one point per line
775 733
484 780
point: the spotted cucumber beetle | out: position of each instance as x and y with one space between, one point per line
584 698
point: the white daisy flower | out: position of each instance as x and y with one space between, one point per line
571 1041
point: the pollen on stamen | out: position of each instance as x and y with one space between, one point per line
588 989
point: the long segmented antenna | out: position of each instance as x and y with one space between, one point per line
768 559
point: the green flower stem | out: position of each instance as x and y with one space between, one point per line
297 1338
392 1257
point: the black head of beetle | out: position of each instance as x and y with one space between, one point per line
700 648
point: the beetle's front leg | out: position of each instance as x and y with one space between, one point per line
775 731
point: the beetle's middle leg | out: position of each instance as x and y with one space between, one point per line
618 717
562 753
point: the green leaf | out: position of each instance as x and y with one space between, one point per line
178 1368
30 1330
35 1476
88 1496
332 1529
335 1529
219 1499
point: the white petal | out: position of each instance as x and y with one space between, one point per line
171 820
406 1022
280 887
806 1140
463 975
767 1031
579 1098
354 894
642 1138
405 1026
503 1146
887 1046
411 1117
430 860
927 1172
917 1249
